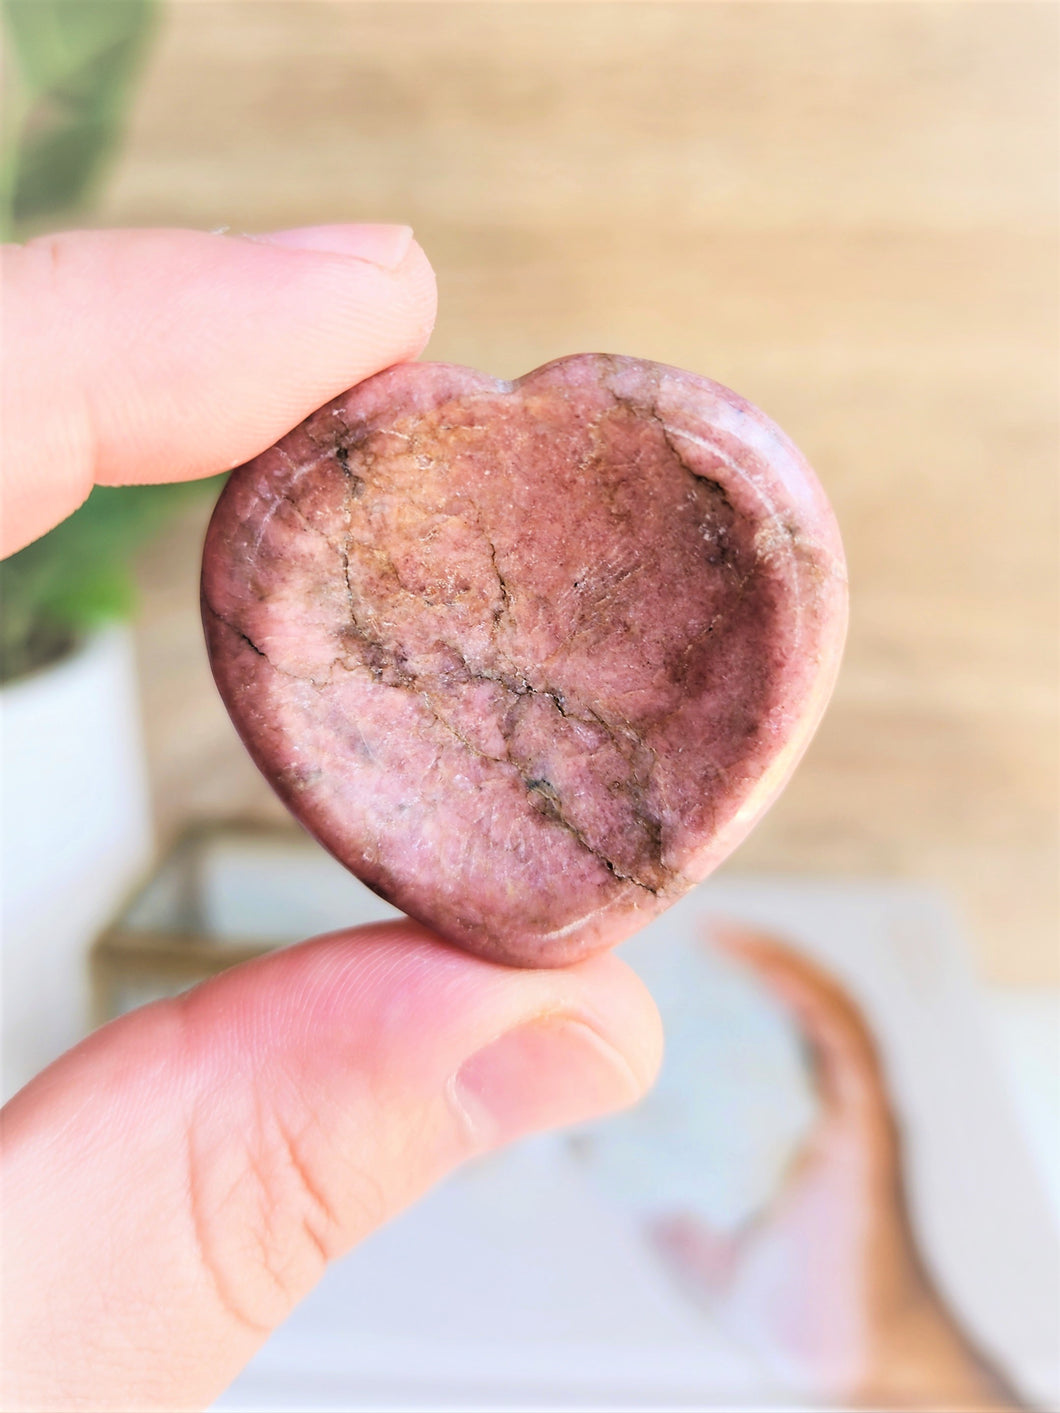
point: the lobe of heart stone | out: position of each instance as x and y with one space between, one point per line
529 658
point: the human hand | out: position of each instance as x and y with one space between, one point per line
827 1288
175 1184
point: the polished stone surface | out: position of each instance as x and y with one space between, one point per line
529 658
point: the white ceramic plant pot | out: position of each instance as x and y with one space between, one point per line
75 832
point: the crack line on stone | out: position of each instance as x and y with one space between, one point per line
752 484
651 824
515 684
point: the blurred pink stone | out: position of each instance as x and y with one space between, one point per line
530 659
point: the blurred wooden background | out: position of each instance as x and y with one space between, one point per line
846 211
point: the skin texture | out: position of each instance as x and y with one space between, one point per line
530 659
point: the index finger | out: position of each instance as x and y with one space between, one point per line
165 355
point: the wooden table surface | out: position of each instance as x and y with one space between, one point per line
846 211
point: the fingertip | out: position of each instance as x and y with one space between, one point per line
622 1008
421 285
778 964
382 245
141 356
790 977
417 1001
746 945
726 933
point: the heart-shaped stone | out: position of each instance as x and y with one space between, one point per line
529 658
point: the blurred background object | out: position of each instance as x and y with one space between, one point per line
846 212
68 73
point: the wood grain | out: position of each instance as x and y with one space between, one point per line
846 211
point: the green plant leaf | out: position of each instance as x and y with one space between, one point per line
69 68
68 72
77 575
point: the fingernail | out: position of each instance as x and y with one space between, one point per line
542 1075
385 246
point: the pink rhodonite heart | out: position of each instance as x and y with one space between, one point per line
529 658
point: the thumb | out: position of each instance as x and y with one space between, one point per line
175 1184
151 355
